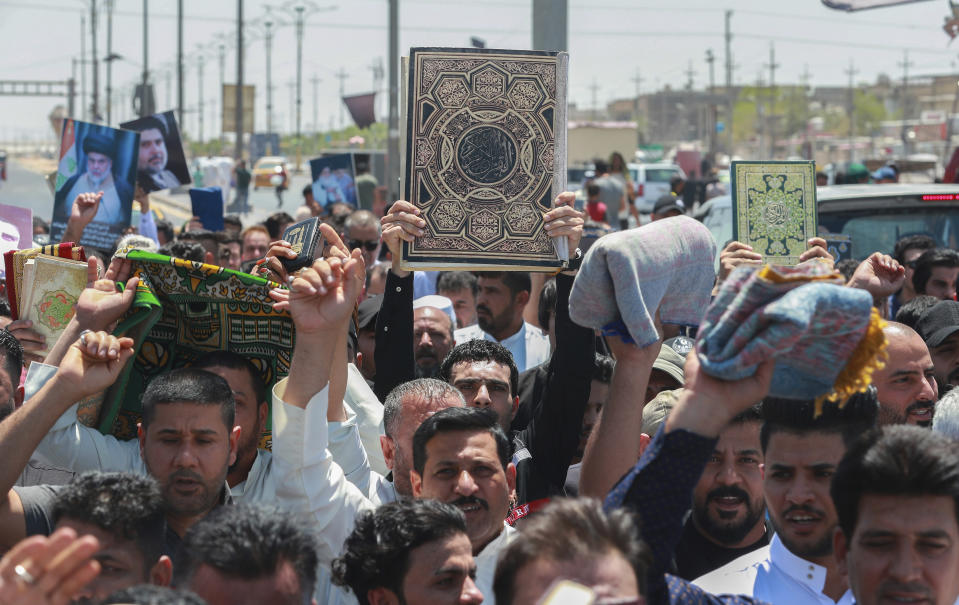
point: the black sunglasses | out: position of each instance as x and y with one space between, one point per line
369 246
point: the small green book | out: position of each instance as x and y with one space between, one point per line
774 208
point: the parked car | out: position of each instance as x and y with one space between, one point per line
874 216
268 167
651 181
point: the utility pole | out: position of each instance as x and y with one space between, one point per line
169 87
219 92
851 72
238 115
637 80
771 113
83 68
730 95
95 110
594 87
109 60
299 86
315 80
341 76
711 60
291 86
179 58
393 149
199 78
905 64
146 56
804 80
268 41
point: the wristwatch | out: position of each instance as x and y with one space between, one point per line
575 262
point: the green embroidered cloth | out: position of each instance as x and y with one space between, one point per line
183 309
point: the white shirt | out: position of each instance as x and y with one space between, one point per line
774 575
310 481
360 399
79 448
529 346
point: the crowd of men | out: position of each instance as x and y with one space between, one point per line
455 437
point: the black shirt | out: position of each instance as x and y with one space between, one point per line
696 555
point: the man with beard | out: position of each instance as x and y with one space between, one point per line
432 339
727 519
100 151
801 451
499 312
187 438
153 157
906 386
11 355
939 328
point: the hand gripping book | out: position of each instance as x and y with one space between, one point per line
51 287
774 208
304 237
485 155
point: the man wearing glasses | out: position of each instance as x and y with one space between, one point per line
362 230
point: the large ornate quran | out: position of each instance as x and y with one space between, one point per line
485 156
774 208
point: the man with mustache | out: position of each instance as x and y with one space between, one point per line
153 157
801 453
432 335
728 516
500 302
906 386
939 328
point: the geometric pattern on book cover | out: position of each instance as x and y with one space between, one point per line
480 150
775 208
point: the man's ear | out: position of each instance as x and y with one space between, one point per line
389 450
511 476
416 481
522 297
141 437
644 440
18 397
162 572
512 413
235 443
382 596
263 410
840 549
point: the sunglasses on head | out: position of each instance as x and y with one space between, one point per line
369 246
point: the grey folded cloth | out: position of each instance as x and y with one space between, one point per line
626 276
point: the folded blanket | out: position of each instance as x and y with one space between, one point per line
625 276
826 338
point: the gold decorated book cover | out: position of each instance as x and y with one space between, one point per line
485 156
51 291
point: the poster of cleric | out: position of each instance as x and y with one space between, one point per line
96 158
162 163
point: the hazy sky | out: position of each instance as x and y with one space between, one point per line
609 40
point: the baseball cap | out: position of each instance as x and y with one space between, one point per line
939 322
657 411
367 311
681 344
885 172
672 363
667 202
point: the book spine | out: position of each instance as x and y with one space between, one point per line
560 123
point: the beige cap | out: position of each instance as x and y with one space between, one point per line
672 363
657 411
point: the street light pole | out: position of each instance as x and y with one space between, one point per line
199 78
299 86
146 57
109 60
393 131
95 109
269 86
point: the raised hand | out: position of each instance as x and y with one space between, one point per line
816 248
734 255
322 296
402 223
101 304
85 207
566 220
881 275
93 363
48 570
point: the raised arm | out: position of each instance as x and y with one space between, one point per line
394 323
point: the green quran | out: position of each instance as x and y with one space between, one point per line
183 309
774 208
485 143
